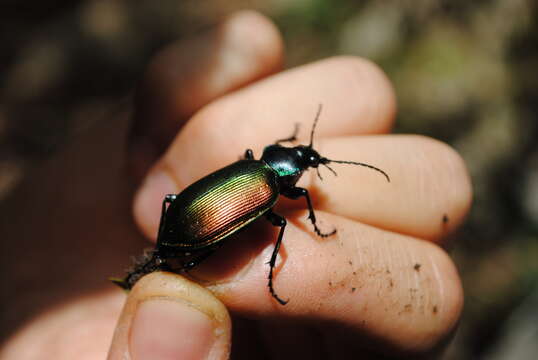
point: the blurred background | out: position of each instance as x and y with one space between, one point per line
465 72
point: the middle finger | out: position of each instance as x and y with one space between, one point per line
428 195
356 97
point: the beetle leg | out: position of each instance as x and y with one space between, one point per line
249 154
293 137
149 263
295 193
168 199
276 220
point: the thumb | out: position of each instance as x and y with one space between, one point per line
168 317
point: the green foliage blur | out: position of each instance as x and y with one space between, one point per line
465 72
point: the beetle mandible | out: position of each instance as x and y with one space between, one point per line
195 222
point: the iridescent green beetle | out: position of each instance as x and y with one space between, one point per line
195 222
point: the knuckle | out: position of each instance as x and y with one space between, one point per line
266 49
368 84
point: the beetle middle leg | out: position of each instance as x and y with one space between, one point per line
276 220
295 193
249 154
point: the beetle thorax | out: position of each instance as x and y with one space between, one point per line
289 163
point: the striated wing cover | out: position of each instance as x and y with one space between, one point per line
220 204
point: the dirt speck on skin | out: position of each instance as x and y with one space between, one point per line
408 308
417 267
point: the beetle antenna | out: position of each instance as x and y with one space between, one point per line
314 126
361 164
319 175
328 167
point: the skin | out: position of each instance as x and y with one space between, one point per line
382 286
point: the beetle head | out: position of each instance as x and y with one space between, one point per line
313 159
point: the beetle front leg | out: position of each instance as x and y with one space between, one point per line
293 137
295 193
276 220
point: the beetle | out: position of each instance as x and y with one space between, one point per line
195 222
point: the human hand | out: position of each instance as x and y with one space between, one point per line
381 285
68 226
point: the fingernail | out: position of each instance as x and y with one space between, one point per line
149 198
166 329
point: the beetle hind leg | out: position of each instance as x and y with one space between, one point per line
281 222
